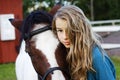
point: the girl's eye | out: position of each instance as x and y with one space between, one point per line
59 30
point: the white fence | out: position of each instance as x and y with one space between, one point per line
107 26
106 22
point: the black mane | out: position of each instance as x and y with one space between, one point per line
35 17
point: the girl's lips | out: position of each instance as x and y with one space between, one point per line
67 43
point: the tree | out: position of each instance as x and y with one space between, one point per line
106 9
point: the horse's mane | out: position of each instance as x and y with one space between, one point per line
35 17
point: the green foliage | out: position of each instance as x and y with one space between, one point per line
27 4
102 9
116 61
106 9
84 5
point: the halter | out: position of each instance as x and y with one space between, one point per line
29 35
50 70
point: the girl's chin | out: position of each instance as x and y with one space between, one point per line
67 46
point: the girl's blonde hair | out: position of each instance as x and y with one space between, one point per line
82 39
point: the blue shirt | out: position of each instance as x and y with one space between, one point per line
103 66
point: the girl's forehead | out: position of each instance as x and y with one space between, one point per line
61 23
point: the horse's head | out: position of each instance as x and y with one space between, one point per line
44 49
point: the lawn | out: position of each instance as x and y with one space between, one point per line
7 71
116 61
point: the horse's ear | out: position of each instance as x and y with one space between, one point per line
54 9
16 23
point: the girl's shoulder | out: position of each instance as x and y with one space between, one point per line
102 63
101 59
97 52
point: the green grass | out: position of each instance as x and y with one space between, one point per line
116 61
7 71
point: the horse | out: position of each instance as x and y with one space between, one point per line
48 55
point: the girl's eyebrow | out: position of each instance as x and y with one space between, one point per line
58 28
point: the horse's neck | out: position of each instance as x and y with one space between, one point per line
61 55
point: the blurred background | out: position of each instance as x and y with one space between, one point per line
101 13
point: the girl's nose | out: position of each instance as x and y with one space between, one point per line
65 35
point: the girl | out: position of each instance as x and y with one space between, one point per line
87 60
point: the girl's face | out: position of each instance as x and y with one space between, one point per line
61 28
